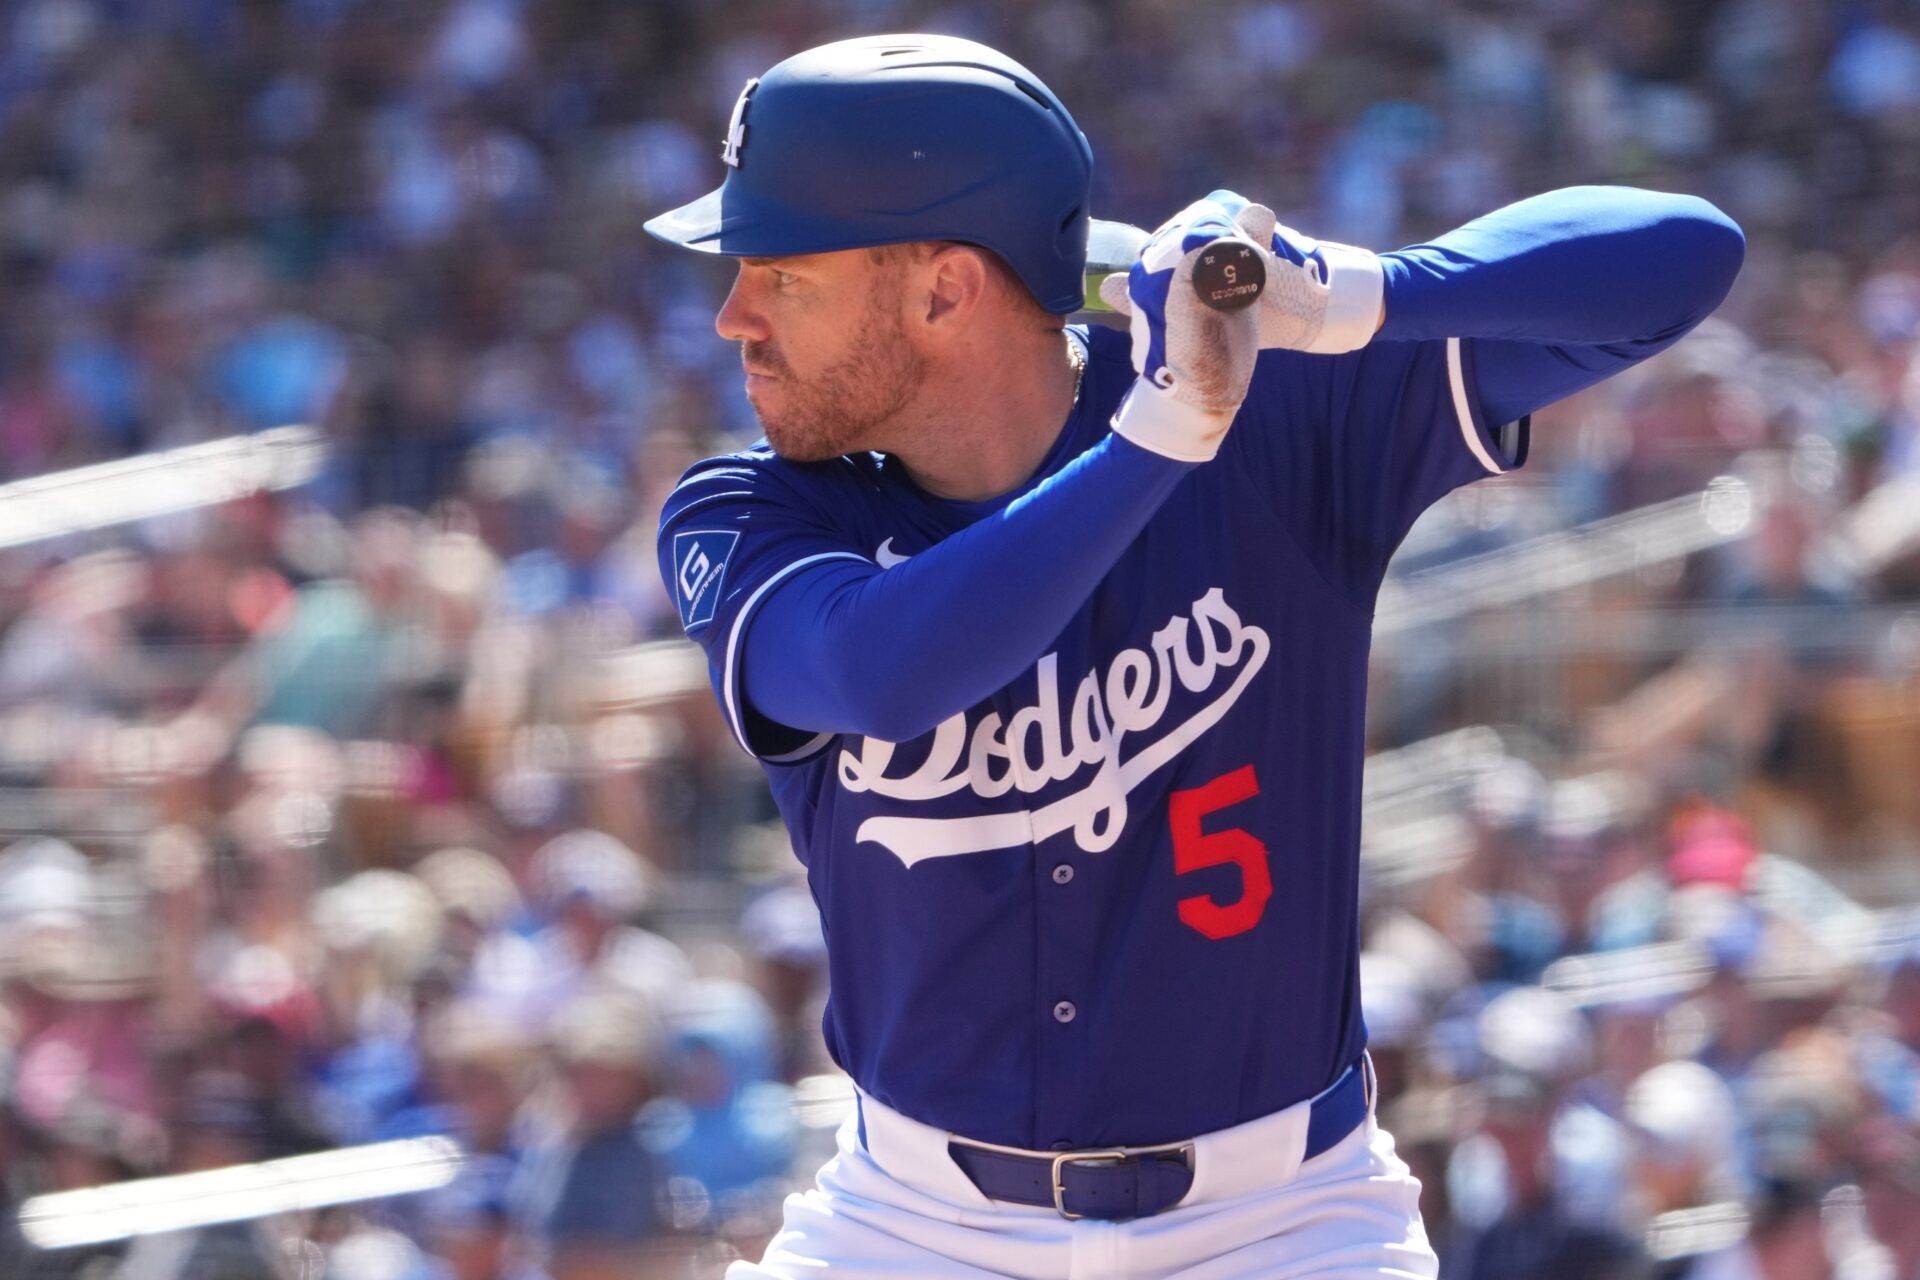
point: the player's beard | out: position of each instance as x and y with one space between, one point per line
845 407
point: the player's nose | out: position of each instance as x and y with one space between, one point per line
739 320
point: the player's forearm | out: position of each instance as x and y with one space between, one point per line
1587 265
850 648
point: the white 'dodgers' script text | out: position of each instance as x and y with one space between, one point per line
1052 741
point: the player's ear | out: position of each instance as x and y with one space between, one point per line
954 283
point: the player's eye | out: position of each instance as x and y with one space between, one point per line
784 278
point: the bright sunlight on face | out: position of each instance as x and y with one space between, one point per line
824 344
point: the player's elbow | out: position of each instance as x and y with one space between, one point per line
842 703
895 719
899 730
1708 247
1686 258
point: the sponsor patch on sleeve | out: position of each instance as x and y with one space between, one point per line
699 562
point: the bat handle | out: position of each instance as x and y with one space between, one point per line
1229 274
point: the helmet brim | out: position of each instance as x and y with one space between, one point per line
694 225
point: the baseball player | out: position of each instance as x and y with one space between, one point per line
1053 644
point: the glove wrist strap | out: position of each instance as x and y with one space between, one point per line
1355 286
1151 418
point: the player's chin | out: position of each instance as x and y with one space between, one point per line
795 445
800 450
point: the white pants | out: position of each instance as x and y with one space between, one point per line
899 1207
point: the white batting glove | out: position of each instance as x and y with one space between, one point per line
1195 363
1324 298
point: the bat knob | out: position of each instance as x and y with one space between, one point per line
1229 275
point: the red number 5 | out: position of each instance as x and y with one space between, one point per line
1194 849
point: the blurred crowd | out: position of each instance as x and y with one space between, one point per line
1616 1039
390 806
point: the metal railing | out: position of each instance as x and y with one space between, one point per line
1630 542
157 484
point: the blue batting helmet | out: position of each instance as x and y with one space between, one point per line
888 139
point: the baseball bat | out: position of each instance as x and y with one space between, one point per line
1228 276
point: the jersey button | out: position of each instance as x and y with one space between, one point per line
1062 874
1064 1011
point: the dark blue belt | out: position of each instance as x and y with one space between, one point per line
1139 1181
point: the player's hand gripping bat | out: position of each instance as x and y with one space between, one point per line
1228 276
1316 296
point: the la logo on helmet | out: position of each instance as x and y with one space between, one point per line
737 127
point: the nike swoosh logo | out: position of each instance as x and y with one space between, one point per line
885 556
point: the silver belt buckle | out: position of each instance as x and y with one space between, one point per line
1116 1156
1060 1162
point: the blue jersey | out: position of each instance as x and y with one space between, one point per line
1115 902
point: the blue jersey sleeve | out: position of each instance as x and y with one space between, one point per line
1509 313
807 638
731 532
1556 292
891 653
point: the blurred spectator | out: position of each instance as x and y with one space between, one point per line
587 886
482 1067
591 1192
381 930
726 1130
1513 1179
1889 1048
782 931
476 895
1682 1117
1886 1159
